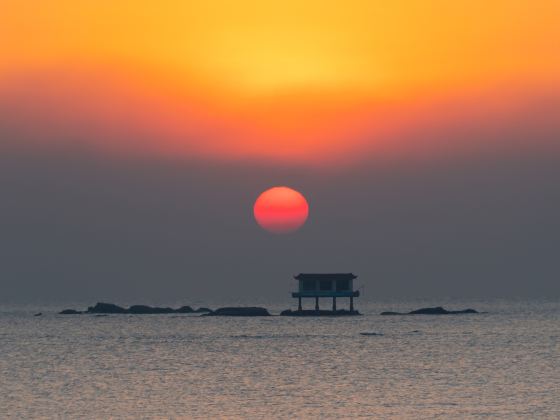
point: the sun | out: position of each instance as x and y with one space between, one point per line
281 210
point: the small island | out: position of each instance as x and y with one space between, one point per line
102 308
438 310
111 308
239 311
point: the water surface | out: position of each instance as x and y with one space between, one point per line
505 363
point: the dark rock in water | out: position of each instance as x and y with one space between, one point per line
38 314
106 308
239 311
466 311
144 309
438 310
371 334
184 310
110 308
70 312
310 312
201 310
139 309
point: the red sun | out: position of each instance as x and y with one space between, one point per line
281 210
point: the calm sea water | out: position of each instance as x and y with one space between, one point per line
505 363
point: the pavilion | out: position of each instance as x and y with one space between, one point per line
313 285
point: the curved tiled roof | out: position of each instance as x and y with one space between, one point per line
325 276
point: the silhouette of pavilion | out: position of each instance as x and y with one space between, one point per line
312 285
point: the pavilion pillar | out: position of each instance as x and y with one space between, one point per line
351 303
334 303
299 304
317 303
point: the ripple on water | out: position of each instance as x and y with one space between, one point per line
501 364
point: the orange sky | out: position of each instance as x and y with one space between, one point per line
286 80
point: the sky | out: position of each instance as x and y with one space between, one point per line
135 138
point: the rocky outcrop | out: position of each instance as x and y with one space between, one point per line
184 310
144 309
70 312
239 311
310 312
438 310
202 310
111 308
106 308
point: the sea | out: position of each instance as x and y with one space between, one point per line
502 363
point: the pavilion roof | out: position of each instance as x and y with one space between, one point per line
325 276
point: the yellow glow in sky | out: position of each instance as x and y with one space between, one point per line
282 76
264 46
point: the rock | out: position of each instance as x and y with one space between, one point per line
466 311
184 310
200 310
111 308
106 308
311 312
70 312
438 310
144 309
371 334
239 311
38 314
